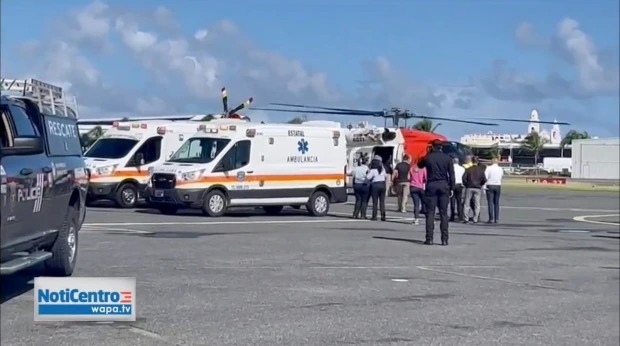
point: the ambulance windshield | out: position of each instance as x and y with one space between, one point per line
199 150
111 148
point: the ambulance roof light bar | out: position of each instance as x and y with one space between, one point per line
46 95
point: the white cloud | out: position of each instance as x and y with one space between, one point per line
186 72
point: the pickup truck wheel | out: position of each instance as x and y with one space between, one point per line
64 251
318 205
273 209
215 204
168 210
127 195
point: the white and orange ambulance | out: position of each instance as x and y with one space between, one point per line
120 160
228 164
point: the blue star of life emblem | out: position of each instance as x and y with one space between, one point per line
302 146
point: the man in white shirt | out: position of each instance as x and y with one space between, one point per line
494 174
456 201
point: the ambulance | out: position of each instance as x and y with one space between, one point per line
227 165
120 160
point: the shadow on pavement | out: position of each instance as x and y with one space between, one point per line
414 241
19 283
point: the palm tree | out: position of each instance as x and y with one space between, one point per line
534 143
570 137
298 120
426 125
496 152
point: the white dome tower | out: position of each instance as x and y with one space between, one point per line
534 125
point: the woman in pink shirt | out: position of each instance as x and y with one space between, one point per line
418 183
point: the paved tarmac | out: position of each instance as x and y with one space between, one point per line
548 274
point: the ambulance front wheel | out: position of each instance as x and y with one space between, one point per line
127 195
318 205
215 204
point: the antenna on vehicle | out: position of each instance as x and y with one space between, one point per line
50 98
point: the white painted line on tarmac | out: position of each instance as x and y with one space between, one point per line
584 218
264 222
519 283
400 280
523 208
91 229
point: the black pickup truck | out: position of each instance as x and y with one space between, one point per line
44 184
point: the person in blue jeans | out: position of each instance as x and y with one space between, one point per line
361 189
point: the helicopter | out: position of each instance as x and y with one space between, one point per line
392 143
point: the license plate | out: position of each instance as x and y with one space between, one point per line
159 193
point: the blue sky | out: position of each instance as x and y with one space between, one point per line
503 58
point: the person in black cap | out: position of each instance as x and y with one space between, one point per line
440 181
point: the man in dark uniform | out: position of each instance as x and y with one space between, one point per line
440 181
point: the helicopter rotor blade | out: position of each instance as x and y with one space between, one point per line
241 106
361 111
525 121
376 114
225 100
452 120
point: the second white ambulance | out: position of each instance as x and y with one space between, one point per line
120 161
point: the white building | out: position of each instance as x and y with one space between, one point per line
553 137
596 159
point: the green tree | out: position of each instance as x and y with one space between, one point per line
208 117
426 125
496 152
570 137
298 120
534 143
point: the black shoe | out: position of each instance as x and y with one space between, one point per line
475 222
444 242
465 222
451 220
494 221
373 219
355 217
383 219
428 242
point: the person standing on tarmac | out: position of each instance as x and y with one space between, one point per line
401 178
361 188
418 184
456 202
439 187
494 174
473 180
377 177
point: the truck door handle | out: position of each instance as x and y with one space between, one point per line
47 169
249 172
25 171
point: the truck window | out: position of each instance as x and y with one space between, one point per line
238 156
23 125
151 151
5 130
199 150
111 148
